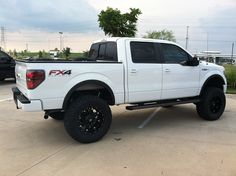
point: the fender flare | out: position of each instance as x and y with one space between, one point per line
211 77
95 82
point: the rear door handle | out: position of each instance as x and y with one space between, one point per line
167 70
134 70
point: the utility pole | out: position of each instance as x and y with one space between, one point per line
27 46
187 38
207 48
232 53
3 42
61 35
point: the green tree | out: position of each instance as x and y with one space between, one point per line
230 72
66 52
14 53
163 35
86 53
10 52
40 54
115 24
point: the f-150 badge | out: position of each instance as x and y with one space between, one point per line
59 72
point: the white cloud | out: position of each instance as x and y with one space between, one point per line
80 18
167 8
44 40
53 15
176 15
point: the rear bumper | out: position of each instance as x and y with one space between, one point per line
24 103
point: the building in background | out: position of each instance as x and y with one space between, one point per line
54 53
216 57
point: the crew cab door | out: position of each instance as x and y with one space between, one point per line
179 79
144 71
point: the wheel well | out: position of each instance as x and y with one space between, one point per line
92 87
213 81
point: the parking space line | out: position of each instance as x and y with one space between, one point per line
145 122
6 99
46 158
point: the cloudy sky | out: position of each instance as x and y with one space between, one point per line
37 23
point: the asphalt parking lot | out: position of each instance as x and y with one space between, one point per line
159 141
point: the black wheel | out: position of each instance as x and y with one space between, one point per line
57 115
212 104
88 119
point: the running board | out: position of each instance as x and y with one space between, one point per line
163 103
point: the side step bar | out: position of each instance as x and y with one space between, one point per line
163 103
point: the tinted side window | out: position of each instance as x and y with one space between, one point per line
93 53
4 57
111 51
143 52
103 51
173 54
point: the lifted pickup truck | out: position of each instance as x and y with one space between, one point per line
142 73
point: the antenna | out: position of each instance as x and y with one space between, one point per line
3 42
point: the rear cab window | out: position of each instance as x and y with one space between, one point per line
105 51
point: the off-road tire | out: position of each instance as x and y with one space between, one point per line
212 104
87 119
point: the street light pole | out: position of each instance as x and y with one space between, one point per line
232 53
186 45
61 34
207 46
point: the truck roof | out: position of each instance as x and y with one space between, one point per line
115 39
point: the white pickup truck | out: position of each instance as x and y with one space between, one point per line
142 73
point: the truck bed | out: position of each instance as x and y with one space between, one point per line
52 91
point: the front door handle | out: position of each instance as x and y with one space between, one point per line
134 70
167 70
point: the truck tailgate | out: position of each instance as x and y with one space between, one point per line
20 71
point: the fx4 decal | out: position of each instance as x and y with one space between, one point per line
59 72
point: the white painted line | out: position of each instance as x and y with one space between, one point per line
145 122
6 99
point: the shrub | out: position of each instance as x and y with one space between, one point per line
230 71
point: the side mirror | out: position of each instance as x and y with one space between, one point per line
193 61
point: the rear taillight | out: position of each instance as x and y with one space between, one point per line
34 78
